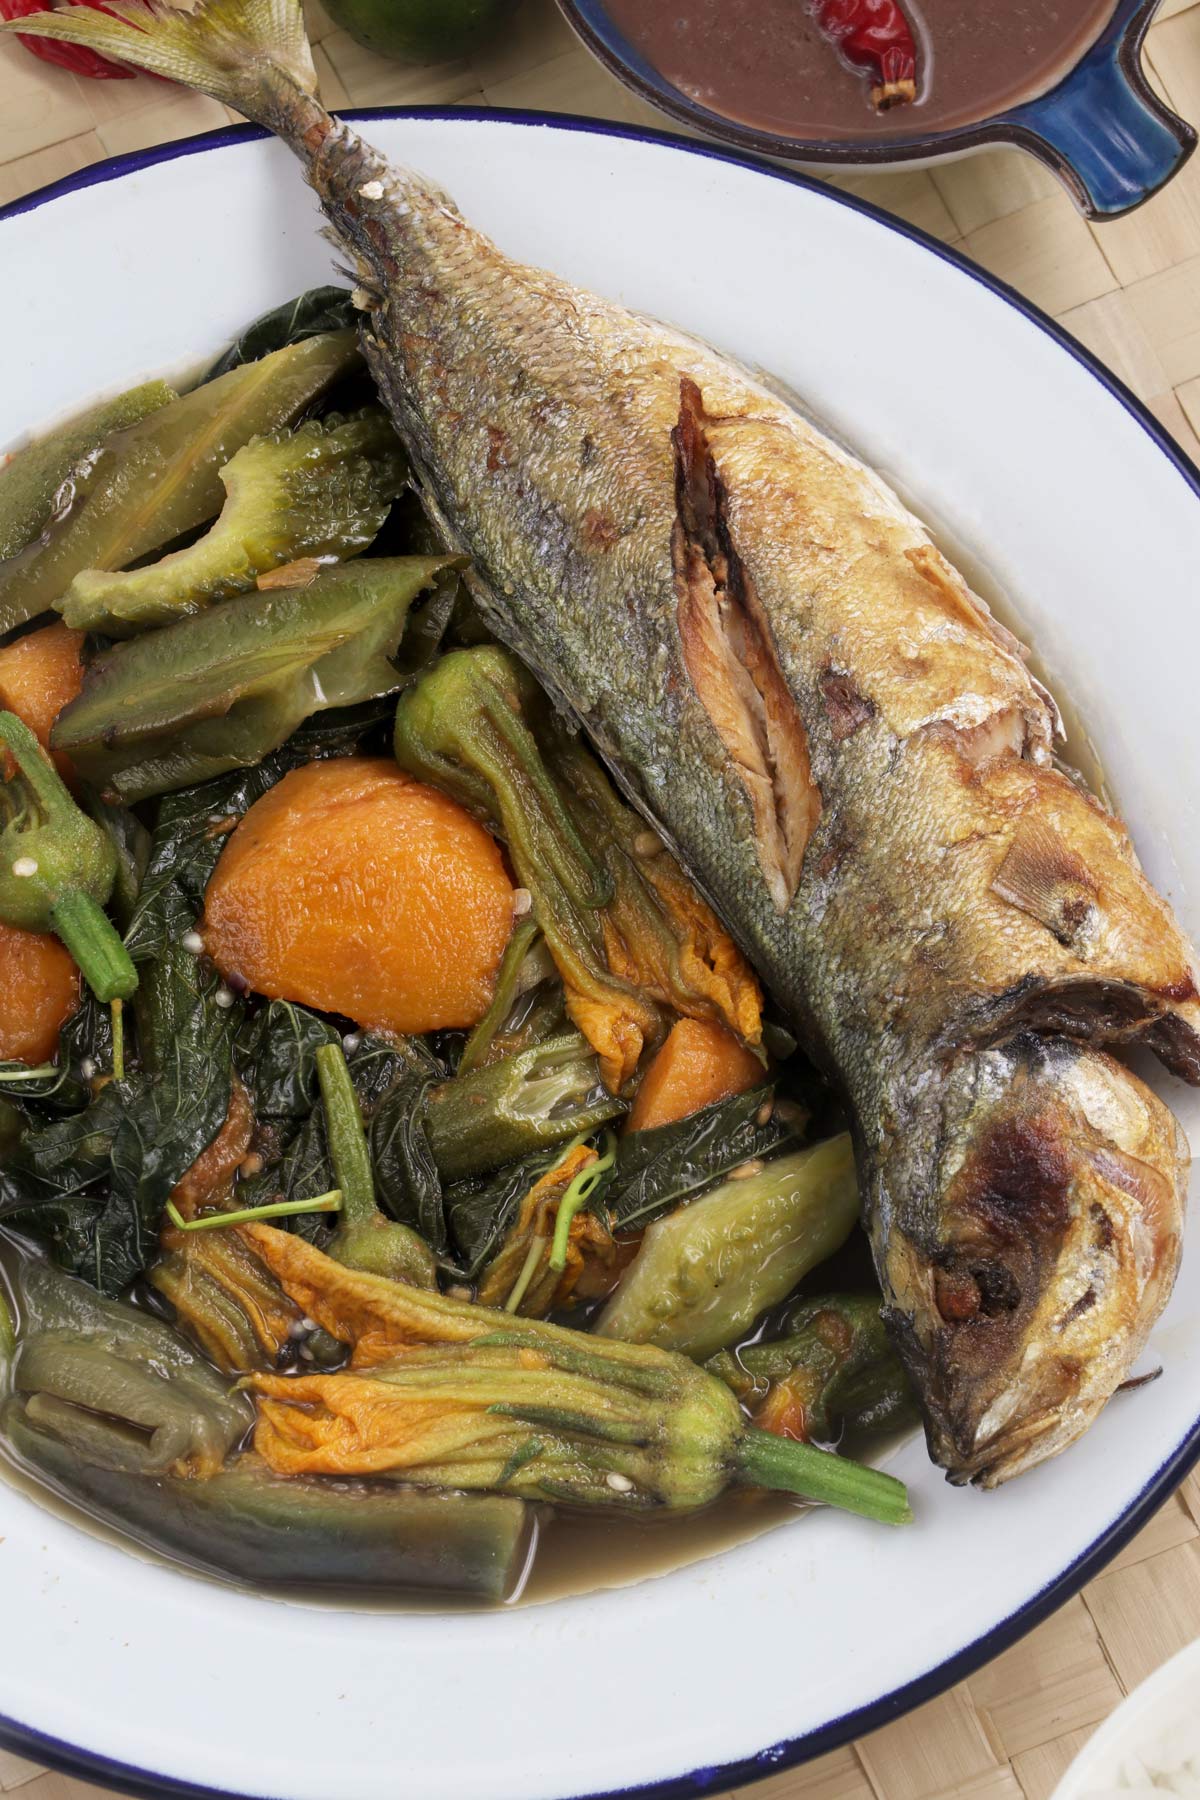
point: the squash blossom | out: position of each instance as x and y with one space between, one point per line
444 1393
628 934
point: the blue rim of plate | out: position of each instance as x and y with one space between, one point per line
696 1784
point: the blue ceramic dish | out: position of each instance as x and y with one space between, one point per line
1102 129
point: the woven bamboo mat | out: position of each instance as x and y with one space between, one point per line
1130 290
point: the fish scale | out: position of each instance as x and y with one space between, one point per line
845 749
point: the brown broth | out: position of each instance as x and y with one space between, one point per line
766 63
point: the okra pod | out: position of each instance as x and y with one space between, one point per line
249 1526
536 1100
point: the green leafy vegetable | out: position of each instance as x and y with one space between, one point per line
225 689
658 1169
62 1086
318 310
406 1175
92 1186
277 1059
305 1165
480 1213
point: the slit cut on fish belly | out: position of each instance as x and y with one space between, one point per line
731 660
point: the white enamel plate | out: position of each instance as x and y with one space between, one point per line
1029 455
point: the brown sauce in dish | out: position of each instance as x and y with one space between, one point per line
766 63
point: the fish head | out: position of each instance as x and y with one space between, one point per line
1031 1254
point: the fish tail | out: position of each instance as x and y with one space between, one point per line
252 55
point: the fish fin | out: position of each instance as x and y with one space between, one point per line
236 50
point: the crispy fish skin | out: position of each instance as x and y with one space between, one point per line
843 746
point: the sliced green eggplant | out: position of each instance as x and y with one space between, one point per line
706 1272
321 491
31 484
159 479
251 1526
220 691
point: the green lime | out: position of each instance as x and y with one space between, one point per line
420 30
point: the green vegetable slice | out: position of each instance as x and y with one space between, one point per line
159 479
92 1186
31 484
222 690
321 491
706 1272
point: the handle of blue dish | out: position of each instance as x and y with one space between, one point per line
1106 132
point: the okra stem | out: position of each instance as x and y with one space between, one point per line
118 1038
39 772
482 1038
764 1460
92 939
347 1139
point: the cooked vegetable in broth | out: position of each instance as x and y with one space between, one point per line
396 1152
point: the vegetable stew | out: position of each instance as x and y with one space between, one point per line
397 1154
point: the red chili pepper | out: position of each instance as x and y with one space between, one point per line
875 36
65 56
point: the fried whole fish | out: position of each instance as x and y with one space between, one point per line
844 747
